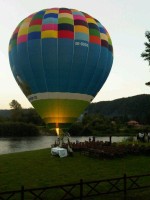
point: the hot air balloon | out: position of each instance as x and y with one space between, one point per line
60 58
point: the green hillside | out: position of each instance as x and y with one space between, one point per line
135 107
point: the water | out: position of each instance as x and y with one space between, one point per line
20 144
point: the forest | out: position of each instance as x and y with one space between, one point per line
101 118
132 108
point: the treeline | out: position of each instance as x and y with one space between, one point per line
102 118
100 125
112 117
22 115
11 129
20 122
131 108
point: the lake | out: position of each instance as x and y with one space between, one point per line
20 144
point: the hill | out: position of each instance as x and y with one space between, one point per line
135 107
5 113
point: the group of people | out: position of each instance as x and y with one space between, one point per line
143 137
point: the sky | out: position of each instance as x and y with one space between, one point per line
125 20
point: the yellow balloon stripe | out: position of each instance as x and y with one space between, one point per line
59 110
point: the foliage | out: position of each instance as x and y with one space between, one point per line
27 116
124 109
93 125
16 110
30 116
13 129
148 83
76 129
99 125
15 105
24 115
146 53
102 118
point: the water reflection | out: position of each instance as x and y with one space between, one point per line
19 144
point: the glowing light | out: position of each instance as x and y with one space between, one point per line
57 131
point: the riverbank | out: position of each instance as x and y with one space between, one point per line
40 169
19 144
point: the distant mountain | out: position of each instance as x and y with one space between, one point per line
135 107
5 113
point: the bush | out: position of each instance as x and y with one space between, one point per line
76 129
10 129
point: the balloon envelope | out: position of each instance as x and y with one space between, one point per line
60 58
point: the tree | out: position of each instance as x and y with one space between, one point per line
15 105
16 110
31 116
148 83
146 53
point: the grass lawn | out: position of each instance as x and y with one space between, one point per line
39 168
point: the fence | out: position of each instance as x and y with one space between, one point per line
82 189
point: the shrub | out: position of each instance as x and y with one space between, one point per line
11 129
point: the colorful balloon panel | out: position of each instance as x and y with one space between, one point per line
60 58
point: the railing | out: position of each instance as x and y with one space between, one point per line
81 190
